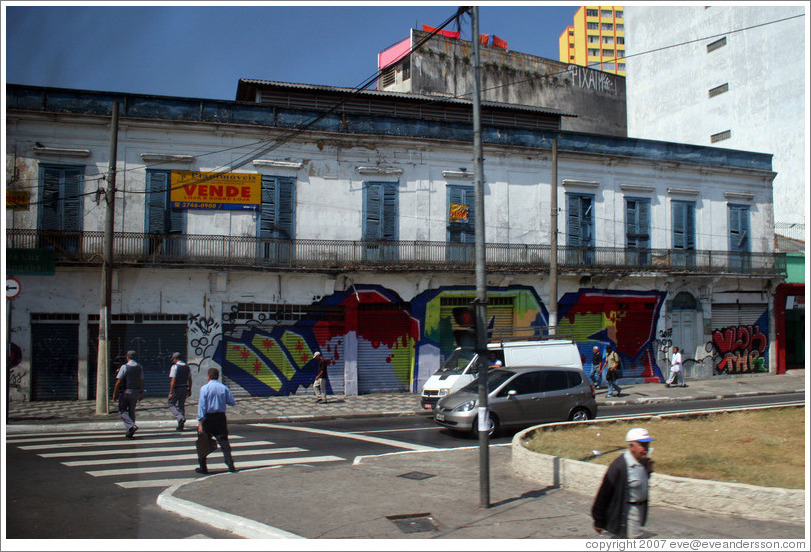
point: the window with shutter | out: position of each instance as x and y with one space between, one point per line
276 219
684 233
637 231
60 209
461 231
166 226
380 220
579 228
738 237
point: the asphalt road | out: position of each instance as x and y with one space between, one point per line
94 484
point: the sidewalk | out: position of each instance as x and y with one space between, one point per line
153 412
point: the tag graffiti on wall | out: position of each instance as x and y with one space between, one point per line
741 349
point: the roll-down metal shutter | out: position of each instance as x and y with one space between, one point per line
384 358
734 325
154 344
55 361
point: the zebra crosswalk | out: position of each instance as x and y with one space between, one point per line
155 458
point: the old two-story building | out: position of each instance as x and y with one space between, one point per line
249 234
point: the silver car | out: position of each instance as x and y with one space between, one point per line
521 397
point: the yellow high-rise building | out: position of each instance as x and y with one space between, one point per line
596 39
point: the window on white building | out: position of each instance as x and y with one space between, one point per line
719 90
276 218
60 206
380 221
637 230
580 228
163 223
718 137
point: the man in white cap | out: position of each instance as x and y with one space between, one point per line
621 504
320 384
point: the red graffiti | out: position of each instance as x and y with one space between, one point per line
741 348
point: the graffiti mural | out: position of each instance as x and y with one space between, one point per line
741 349
627 320
395 345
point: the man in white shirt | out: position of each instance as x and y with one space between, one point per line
675 369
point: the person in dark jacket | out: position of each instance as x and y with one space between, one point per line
128 390
621 504
180 383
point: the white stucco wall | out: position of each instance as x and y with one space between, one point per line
766 68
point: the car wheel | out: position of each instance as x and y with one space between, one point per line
579 415
492 426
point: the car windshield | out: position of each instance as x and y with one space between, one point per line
457 362
494 379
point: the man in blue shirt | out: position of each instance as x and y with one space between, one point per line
214 398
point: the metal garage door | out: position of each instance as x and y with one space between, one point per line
384 364
740 337
154 342
55 359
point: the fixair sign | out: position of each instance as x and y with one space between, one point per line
216 191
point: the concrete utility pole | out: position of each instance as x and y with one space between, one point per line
481 277
553 245
103 361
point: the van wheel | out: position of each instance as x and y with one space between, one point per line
492 426
579 415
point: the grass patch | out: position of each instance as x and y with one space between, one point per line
764 447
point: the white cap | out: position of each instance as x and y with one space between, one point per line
315 354
638 434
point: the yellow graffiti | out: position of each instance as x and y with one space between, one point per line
298 348
243 357
402 358
272 351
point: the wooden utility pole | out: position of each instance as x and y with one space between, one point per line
103 361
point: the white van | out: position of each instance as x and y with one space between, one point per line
460 367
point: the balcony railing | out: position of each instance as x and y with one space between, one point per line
136 249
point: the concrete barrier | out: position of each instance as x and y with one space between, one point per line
712 497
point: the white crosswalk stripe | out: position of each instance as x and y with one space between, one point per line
155 451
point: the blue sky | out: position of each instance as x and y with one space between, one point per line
202 51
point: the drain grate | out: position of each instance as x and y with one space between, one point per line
419 476
414 523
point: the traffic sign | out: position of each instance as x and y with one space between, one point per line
12 288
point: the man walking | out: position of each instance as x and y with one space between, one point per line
597 366
211 419
320 385
130 382
180 384
612 361
621 504
675 369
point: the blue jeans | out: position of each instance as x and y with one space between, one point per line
612 386
596 377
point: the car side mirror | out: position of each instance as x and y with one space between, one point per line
512 393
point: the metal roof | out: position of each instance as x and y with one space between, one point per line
244 84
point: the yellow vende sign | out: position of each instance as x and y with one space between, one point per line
211 190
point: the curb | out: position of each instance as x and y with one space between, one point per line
711 497
240 526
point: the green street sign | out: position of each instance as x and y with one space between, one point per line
30 261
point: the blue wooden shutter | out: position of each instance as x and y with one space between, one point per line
580 220
637 223
380 208
158 183
684 225
739 228
463 232
49 210
72 201
373 207
389 226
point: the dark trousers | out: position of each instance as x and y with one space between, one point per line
216 425
177 402
127 401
